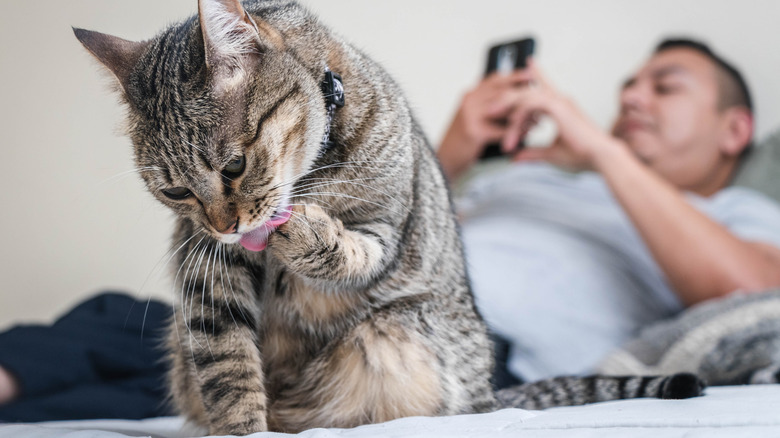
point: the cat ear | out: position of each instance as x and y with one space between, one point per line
231 39
118 55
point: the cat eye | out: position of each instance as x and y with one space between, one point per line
177 193
235 167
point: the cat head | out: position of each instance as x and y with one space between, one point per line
222 117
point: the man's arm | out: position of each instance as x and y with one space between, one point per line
701 258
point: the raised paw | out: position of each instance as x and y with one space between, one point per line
682 385
306 238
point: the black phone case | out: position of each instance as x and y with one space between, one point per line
522 49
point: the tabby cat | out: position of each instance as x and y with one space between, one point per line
321 277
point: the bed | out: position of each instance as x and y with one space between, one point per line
729 411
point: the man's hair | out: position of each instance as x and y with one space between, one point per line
732 88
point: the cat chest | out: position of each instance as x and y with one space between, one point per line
299 319
297 304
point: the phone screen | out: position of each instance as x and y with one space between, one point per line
509 56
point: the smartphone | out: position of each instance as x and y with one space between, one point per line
505 58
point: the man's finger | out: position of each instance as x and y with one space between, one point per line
529 105
539 77
532 154
505 80
492 133
502 103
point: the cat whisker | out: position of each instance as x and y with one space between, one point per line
191 294
175 165
213 273
332 165
401 204
221 252
186 284
193 146
191 257
157 267
340 195
171 253
232 291
322 204
187 280
194 280
125 173
306 222
324 184
316 182
203 302
173 305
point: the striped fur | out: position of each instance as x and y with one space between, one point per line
359 310
575 391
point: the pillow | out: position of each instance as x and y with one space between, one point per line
760 170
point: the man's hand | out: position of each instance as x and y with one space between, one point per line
503 108
481 119
579 143
9 388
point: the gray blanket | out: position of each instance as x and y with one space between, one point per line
733 340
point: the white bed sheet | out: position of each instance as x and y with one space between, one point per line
747 411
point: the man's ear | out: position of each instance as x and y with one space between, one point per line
737 130
118 55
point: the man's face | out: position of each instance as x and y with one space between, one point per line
669 117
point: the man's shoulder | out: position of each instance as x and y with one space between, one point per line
743 197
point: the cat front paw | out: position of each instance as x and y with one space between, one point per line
239 428
307 240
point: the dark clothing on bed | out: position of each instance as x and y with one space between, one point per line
502 378
100 360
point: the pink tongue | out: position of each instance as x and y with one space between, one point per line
257 239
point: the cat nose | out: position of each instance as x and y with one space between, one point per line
230 228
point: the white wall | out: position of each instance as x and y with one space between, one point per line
72 223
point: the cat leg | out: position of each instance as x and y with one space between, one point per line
317 246
379 372
215 340
182 385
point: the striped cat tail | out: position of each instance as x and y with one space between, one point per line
574 391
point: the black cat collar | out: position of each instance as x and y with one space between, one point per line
333 90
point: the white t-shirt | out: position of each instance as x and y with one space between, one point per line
559 270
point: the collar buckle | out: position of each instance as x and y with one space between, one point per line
333 89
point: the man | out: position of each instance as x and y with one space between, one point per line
569 266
